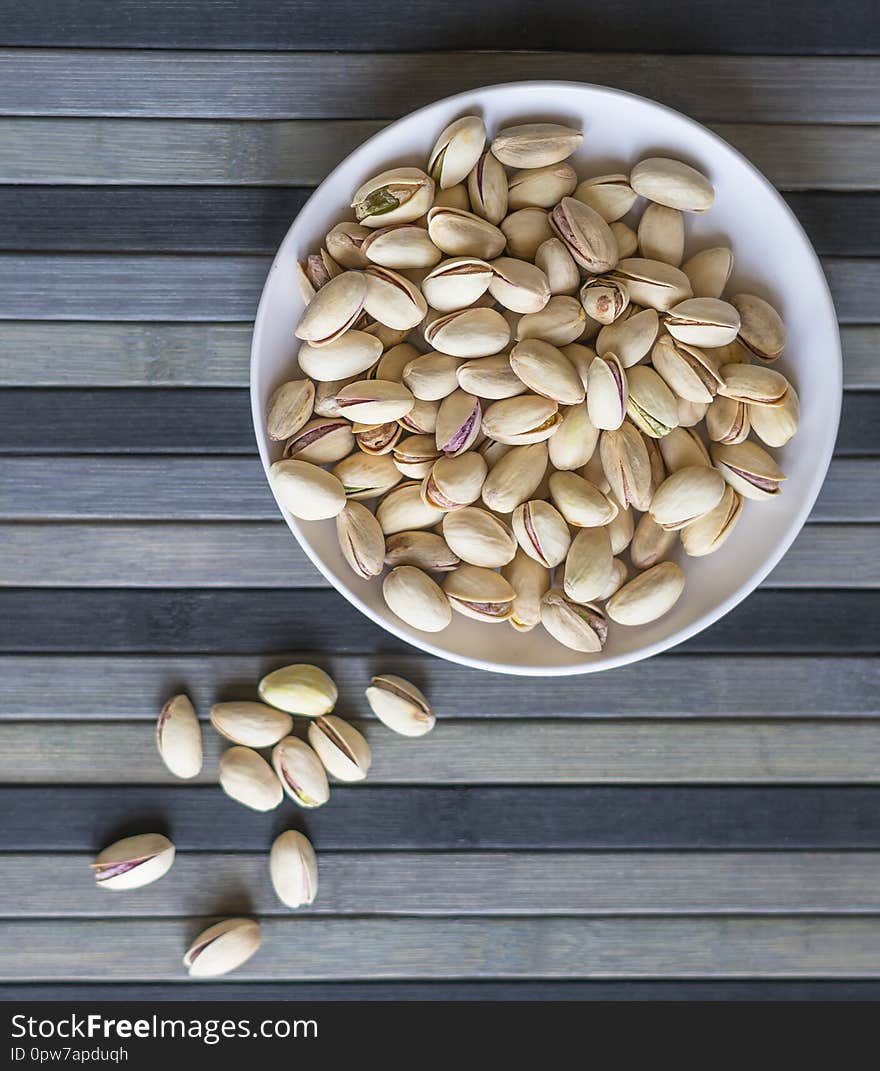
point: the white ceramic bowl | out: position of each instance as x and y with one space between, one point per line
773 258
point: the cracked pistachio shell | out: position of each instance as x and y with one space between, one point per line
399 705
535 144
530 581
352 353
432 376
400 195
321 441
300 772
179 738
479 593
404 510
653 283
621 529
687 370
490 377
707 534
626 464
364 475
661 234
289 408
403 247
458 423
572 446
604 299
464 234
546 370
455 481
314 272
392 299
374 401
515 477
581 627
377 439
525 231
580 502
728 421
626 238
293 868
672 183
456 283
561 322
454 197
691 413
775 425
250 724
703 322
607 392
520 421
299 689
647 596
761 326
630 339
542 532
686 495
650 543
334 309
555 261
424 550
222 947
588 565
345 753
540 187
749 469
469 333
422 418
306 491
361 540
415 455
133 862
651 405
585 234
457 151
518 285
609 195
247 778
326 404
478 537
416 599
487 189
753 383
682 447
709 271
344 243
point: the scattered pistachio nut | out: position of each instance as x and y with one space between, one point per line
300 772
293 868
179 738
246 777
400 705
133 862
222 948
345 753
299 689
250 724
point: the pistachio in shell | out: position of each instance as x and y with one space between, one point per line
361 540
709 271
530 581
458 423
547 371
585 234
404 509
300 689
345 753
222 948
479 593
455 481
306 491
179 738
749 469
515 477
588 565
478 537
650 404
578 626
661 234
775 425
630 338
709 533
293 868
708 322
523 420
540 187
686 495
650 543
681 447
542 532
561 322
728 420
289 408
300 772
416 599
490 378
672 183
365 475
133 862
456 151
607 392
247 778
456 283
400 705
400 195
580 502
609 195
424 550
336 307
604 299
761 327
464 234
250 724
535 144
557 264
322 441
487 189
574 441
647 596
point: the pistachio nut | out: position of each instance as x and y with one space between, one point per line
604 299
647 596
525 231
415 455
561 322
456 283
661 234
400 195
247 778
299 689
753 383
672 183
575 439
300 772
609 195
776 424
580 502
703 322
650 543
416 599
607 392
458 422
399 705
432 376
344 243
457 151
179 738
691 413
709 271
316 271
619 576
748 468
585 234
464 234
621 529
350 355
404 510
453 197
374 401
535 144
630 339
326 404
343 750
761 327
293 868
422 418
424 550
364 475
530 581
377 439
402 247
391 364
581 627
334 309
479 593
588 565
306 491
455 481
542 532
133 862
250 724
470 332
361 540
392 299
478 537
728 421
520 421
222 947
515 477
651 405
540 187
518 285
487 189
555 261
653 282
289 408
545 370
707 534
686 495
690 372
626 238
681 447
490 377
321 441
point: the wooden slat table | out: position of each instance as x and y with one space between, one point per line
704 825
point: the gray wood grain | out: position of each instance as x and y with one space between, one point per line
94 82
116 949
61 885
301 152
264 555
540 751
134 687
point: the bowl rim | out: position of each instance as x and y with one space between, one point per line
710 616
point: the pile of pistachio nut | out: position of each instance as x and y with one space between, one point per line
297 768
508 373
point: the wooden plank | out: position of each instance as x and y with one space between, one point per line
110 354
539 751
343 948
93 82
263 555
61 885
463 818
135 687
180 152
839 223
185 488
